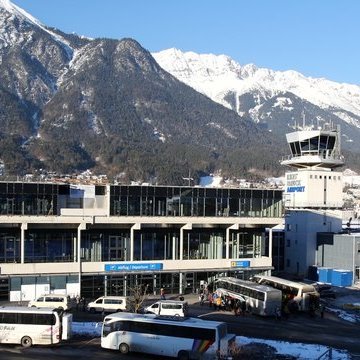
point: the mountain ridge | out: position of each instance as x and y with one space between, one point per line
69 104
104 104
227 82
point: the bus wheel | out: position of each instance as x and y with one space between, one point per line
118 310
183 355
26 341
124 348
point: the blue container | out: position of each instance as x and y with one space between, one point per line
325 275
342 278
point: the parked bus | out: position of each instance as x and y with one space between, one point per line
175 336
260 299
297 295
29 326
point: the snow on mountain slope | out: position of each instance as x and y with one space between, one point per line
216 75
9 37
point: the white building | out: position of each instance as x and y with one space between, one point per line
105 239
312 196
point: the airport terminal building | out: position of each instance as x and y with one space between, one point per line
92 240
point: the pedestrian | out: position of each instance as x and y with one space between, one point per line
162 294
218 303
83 302
228 303
237 308
286 311
210 299
243 307
202 298
278 313
77 300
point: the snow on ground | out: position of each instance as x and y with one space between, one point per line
210 181
299 350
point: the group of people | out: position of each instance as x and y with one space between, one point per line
221 302
80 303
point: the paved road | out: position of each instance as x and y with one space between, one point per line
330 331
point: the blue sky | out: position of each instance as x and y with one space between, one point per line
319 38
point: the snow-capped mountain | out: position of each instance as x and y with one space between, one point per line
279 100
69 103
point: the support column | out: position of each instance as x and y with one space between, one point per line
24 226
270 242
136 226
185 227
227 248
75 248
81 226
181 283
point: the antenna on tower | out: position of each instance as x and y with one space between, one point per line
303 116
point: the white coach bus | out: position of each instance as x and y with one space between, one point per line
29 326
302 296
180 337
260 299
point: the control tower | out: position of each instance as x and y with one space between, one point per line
314 154
312 195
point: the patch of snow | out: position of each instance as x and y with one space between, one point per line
210 181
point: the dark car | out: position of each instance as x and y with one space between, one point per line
328 293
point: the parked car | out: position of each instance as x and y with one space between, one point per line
330 294
168 308
55 301
108 304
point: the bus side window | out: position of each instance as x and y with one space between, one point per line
119 326
9 318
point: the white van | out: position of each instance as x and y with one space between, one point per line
55 301
168 308
107 304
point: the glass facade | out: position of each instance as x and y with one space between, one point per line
184 201
9 245
108 235
152 243
160 244
204 244
93 286
105 245
49 245
30 198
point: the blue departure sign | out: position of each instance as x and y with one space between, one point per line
244 263
134 267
